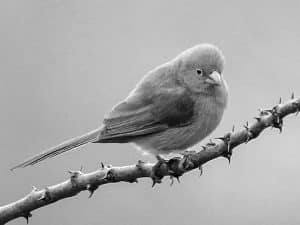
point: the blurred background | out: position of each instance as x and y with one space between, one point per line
64 64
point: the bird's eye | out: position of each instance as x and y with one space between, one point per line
199 72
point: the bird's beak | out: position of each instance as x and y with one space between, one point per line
213 78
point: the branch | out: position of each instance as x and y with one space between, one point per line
174 167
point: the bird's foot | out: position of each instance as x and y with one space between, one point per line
157 169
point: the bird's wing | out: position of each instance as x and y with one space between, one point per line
145 113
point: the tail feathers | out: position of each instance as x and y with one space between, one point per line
61 148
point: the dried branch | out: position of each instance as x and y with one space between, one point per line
174 167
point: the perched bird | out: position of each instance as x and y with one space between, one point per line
172 108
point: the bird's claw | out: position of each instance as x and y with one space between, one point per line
156 175
277 121
172 179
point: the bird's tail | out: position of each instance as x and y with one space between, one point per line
68 145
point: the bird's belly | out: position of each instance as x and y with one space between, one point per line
179 138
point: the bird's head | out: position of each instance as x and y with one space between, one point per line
201 68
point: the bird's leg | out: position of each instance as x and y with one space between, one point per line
173 166
156 170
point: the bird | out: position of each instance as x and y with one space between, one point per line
172 108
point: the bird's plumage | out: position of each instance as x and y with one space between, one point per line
172 108
148 110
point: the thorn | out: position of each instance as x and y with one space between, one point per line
172 180
263 112
81 168
280 100
228 157
232 130
201 170
91 189
293 96
257 118
91 193
88 187
102 165
34 189
27 216
246 126
140 164
155 180
74 174
248 139
160 159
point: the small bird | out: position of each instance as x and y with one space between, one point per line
172 108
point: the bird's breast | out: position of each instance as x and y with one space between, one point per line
207 115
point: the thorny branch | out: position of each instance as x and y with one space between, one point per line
174 167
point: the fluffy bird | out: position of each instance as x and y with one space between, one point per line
172 108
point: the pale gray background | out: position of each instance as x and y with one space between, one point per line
64 64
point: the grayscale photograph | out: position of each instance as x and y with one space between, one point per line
149 112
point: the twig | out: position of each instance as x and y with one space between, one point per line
175 167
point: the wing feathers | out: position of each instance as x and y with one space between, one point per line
131 118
